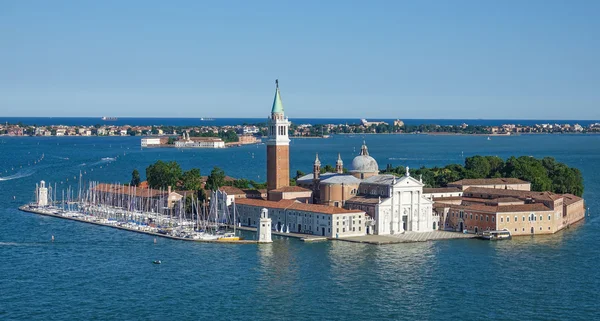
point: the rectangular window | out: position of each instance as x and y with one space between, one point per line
501 219
493 219
507 219
516 219
541 217
359 228
338 230
523 218
343 230
549 217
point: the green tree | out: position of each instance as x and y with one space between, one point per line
163 175
496 165
478 166
241 183
216 179
327 169
299 174
135 178
191 180
258 185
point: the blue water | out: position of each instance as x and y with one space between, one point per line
90 121
93 272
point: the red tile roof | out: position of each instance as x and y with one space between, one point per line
570 199
230 190
441 190
291 189
489 181
129 190
499 193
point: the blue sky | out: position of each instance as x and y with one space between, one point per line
376 59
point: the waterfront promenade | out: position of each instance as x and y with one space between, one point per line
407 237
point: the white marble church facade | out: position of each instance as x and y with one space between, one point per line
397 204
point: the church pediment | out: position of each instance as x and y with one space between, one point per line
408 181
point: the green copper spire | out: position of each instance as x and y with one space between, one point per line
277 104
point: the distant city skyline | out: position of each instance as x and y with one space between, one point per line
379 60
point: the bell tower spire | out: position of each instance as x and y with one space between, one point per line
278 153
339 165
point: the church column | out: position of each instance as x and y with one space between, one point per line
400 213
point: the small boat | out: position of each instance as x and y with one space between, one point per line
489 138
496 235
156 262
229 237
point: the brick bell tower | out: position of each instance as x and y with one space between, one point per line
278 146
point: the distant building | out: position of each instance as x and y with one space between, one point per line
199 142
249 130
366 123
153 141
247 139
398 123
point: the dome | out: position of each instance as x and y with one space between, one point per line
364 163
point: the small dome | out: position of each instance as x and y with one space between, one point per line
364 163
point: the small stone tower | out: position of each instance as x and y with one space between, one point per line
42 197
264 227
339 165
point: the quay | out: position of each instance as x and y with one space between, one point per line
27 208
407 237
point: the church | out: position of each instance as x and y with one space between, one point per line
394 204
335 204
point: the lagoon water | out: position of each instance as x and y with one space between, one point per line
92 272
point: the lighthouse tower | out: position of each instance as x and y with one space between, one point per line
264 227
42 197
278 146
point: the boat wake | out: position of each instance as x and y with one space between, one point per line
103 160
19 174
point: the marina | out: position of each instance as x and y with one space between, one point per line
54 212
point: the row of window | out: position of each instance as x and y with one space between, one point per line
530 218
477 217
